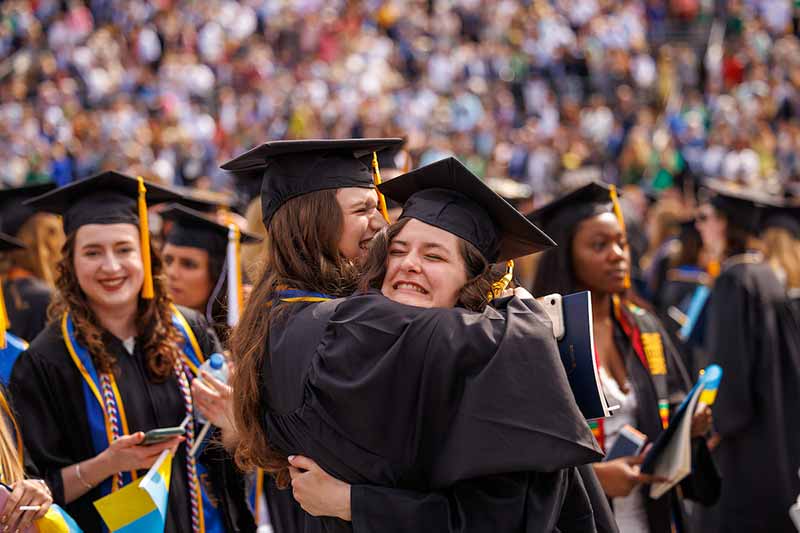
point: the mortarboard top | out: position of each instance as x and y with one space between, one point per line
742 206
288 169
13 214
106 198
593 194
445 194
194 229
8 243
204 201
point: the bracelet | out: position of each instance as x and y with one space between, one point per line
80 478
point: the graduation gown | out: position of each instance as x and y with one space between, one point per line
47 394
26 299
380 393
753 335
702 484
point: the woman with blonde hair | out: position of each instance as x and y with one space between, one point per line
29 273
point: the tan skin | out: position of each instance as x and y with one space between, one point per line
188 275
601 260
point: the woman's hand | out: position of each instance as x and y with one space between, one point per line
701 422
212 398
126 454
619 477
317 492
28 492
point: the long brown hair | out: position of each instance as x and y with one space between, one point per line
153 319
10 461
480 276
302 253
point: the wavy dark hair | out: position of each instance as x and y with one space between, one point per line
480 274
302 253
161 339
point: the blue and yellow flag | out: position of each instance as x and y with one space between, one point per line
139 507
56 521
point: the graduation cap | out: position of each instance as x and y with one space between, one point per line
742 206
7 243
288 169
786 217
194 229
107 198
592 199
445 194
13 214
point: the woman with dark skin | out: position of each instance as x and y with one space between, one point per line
640 369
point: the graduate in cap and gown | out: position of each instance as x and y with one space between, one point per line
319 204
755 339
116 362
29 273
378 392
639 367
11 346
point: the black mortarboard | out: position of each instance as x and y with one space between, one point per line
106 198
591 199
194 229
8 243
786 217
743 207
13 214
288 169
204 201
445 194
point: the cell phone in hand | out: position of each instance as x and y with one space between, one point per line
630 442
157 436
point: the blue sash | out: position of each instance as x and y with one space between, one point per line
8 356
100 430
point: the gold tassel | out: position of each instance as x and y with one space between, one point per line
376 178
238 261
144 237
621 220
502 284
4 322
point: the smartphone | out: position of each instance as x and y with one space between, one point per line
555 311
155 436
630 442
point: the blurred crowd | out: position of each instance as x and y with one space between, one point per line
544 92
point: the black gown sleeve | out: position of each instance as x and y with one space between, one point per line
477 375
530 502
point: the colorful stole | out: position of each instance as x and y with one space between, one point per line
107 419
645 337
297 295
14 346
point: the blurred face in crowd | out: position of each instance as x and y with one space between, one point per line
424 267
712 227
189 280
600 254
108 264
361 220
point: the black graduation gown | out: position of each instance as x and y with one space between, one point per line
753 336
47 394
379 393
702 484
26 300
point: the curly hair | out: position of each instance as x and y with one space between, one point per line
474 295
161 338
302 253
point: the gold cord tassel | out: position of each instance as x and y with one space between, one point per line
502 284
621 220
144 237
376 178
4 322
